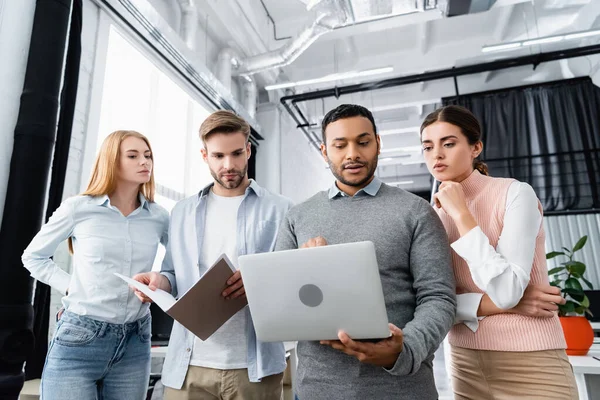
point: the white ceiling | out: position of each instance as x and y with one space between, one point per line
411 44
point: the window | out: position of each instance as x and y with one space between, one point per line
138 96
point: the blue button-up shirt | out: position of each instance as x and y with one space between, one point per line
104 242
371 189
258 220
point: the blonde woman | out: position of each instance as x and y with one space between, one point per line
101 347
507 346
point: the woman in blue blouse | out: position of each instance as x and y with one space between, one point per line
101 347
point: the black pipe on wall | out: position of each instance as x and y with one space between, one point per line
534 59
27 185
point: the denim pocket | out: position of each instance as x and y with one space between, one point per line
69 334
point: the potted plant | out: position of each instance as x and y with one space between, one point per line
568 276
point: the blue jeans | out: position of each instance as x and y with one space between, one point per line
91 359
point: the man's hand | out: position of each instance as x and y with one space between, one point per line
236 287
383 353
154 280
539 301
315 242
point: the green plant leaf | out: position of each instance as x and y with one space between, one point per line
573 283
588 283
577 297
589 312
556 270
576 267
576 294
566 250
555 283
566 308
580 243
580 310
553 254
585 302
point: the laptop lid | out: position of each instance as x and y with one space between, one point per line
313 293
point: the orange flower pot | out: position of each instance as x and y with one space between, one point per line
578 334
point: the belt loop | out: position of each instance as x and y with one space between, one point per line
139 326
103 327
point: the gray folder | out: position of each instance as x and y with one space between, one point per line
202 309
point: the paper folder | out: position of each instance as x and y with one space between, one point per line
202 309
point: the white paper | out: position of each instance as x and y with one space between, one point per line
162 299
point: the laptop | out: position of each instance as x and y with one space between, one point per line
311 294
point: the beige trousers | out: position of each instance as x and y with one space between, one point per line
505 375
232 384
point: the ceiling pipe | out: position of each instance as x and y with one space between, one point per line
226 61
249 95
188 28
303 124
330 14
534 59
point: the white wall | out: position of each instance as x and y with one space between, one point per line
286 163
16 20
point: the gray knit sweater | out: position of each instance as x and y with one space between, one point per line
418 285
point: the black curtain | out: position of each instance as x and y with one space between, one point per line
41 306
547 135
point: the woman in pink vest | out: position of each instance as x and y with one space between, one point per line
508 343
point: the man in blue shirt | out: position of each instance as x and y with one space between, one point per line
235 216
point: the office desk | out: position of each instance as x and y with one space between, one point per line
586 368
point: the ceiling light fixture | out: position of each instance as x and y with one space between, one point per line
411 129
400 183
407 149
332 77
542 40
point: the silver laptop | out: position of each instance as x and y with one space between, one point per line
311 294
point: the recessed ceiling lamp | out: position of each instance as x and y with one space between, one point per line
332 77
542 40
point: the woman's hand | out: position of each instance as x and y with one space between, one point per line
451 198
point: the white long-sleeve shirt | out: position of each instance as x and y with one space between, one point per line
104 242
502 273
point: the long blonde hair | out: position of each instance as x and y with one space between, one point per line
104 175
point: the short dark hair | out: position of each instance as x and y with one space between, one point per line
346 111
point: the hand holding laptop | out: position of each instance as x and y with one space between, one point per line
382 353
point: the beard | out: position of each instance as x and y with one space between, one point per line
230 184
358 181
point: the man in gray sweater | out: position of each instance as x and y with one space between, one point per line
414 264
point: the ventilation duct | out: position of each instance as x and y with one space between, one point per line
189 22
330 15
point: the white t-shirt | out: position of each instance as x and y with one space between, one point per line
227 348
